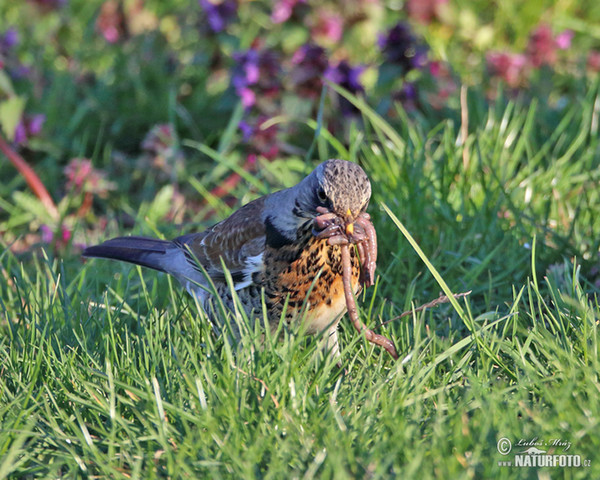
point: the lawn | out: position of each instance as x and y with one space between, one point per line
485 182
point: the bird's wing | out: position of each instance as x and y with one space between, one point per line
239 241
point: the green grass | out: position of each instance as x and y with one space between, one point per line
110 370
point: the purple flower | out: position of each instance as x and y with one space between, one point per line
29 126
246 70
47 234
400 47
219 13
20 133
8 40
407 96
310 64
48 5
256 73
246 129
36 122
347 77
19 71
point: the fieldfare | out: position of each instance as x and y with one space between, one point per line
283 248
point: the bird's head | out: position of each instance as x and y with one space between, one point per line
342 188
337 186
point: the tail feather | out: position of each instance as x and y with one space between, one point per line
147 252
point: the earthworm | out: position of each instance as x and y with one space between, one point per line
369 256
351 305
331 226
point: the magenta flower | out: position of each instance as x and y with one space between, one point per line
435 68
219 14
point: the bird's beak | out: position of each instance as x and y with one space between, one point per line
349 225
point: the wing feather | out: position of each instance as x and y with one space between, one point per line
239 240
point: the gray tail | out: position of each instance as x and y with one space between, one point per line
147 252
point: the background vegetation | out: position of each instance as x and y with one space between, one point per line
478 127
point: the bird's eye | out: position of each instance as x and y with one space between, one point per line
322 195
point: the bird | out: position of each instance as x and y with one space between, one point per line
276 250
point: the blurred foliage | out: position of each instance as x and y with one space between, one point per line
243 79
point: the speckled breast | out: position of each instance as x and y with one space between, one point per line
292 273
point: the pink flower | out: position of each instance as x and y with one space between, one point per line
564 38
511 67
160 139
248 97
49 235
593 61
329 27
435 68
424 11
111 21
83 177
542 46
283 10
